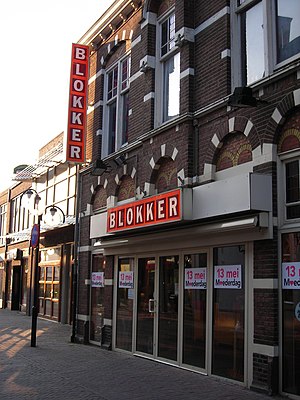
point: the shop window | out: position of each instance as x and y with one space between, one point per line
291 313
265 34
292 189
125 296
194 309
229 312
97 298
168 68
117 107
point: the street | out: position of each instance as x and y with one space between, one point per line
59 369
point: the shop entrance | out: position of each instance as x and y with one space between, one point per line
187 309
157 307
16 288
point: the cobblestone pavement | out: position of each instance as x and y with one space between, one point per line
58 369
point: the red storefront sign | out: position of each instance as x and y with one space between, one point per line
77 104
151 211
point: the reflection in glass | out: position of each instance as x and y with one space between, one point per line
55 294
48 308
253 42
124 309
291 324
194 317
288 29
168 307
49 274
228 319
56 273
145 318
48 290
55 309
97 302
171 87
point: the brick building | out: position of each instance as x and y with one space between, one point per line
189 210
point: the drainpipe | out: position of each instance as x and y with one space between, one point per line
76 262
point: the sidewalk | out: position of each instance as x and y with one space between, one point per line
58 369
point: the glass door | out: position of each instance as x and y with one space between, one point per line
194 309
157 309
146 306
97 298
125 297
168 307
229 312
49 291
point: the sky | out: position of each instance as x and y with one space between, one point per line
36 37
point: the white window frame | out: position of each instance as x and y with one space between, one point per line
3 219
285 158
270 40
159 79
118 98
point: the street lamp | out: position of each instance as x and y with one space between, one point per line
35 244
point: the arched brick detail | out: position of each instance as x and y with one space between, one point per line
157 6
99 198
289 137
237 124
236 150
165 177
126 188
166 150
112 46
283 110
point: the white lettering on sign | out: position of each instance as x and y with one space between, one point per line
80 53
77 104
173 209
228 277
75 152
77 101
195 278
126 280
291 275
75 135
153 210
78 70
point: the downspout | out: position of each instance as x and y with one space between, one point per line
76 261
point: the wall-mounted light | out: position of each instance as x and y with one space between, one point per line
242 97
99 167
144 67
180 40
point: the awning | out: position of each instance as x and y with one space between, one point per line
53 157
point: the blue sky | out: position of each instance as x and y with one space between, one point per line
36 38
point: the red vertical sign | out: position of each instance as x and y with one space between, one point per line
77 104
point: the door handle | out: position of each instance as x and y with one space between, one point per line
151 306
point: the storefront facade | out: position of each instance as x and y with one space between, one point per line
181 293
44 195
189 210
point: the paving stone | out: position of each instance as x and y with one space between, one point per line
58 369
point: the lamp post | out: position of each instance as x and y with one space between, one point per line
35 244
